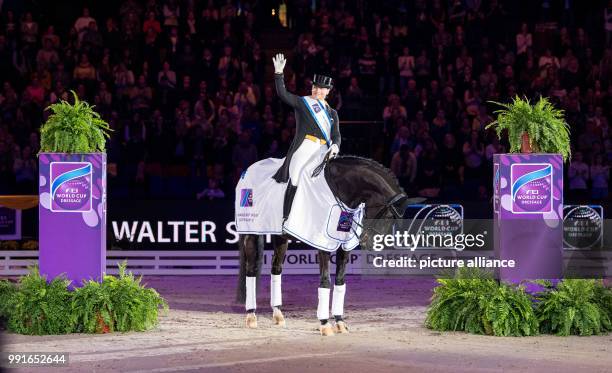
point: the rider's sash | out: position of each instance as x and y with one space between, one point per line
321 116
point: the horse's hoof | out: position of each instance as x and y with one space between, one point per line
278 318
326 330
341 327
251 321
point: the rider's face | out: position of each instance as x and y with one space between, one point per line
319 93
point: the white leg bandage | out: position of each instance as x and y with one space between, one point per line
276 295
323 308
251 293
338 300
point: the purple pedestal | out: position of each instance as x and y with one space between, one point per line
72 213
528 214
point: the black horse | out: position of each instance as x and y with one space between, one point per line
353 180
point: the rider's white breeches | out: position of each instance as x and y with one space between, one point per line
302 157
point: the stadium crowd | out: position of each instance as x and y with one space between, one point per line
186 86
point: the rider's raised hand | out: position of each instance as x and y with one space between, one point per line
279 63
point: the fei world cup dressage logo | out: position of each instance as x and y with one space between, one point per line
345 222
532 188
246 198
71 186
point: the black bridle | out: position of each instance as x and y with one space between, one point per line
390 205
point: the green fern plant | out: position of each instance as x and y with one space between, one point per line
92 308
573 307
73 129
510 312
474 302
603 299
135 307
548 131
7 291
39 307
116 304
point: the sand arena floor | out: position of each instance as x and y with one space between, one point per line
204 332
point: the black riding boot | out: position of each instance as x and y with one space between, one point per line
288 201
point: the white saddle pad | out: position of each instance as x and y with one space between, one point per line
316 217
259 199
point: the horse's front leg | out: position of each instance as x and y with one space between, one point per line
280 244
249 245
340 290
324 284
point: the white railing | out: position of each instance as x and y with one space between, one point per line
226 262
174 262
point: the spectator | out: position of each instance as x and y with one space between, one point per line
353 100
404 166
36 91
84 70
166 77
212 192
47 58
394 108
83 22
523 40
548 60
141 96
406 66
151 25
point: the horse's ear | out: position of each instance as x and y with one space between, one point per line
410 201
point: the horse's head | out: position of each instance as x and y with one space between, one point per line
355 180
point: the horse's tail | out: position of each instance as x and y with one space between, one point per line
241 288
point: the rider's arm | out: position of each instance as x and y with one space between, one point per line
336 129
288 98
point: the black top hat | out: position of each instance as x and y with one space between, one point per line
322 81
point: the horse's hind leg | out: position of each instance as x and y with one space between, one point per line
280 244
250 255
340 290
323 290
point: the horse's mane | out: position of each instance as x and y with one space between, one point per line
383 171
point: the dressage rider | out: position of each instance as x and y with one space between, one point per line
317 129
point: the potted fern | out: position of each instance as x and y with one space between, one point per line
72 192
539 128
528 188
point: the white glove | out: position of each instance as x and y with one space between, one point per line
333 150
279 63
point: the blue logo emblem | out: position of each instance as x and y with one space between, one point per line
316 107
246 197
